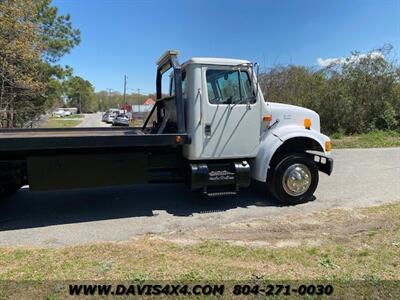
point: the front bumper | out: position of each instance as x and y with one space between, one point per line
324 163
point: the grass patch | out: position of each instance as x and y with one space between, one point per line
75 116
60 123
362 256
373 139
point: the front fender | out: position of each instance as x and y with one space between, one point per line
276 138
287 132
265 152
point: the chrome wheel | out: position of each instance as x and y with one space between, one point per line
296 179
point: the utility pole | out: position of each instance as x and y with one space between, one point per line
124 89
109 97
138 96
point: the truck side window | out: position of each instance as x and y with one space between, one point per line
210 91
229 87
247 89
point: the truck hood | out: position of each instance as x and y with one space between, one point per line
293 115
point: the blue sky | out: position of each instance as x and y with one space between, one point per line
127 36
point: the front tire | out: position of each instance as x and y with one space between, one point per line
293 179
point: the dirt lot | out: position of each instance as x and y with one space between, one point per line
335 244
312 229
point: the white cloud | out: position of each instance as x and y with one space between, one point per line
324 62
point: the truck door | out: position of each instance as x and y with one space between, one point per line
231 113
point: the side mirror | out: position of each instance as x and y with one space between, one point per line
257 67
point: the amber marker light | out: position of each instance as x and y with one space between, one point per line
267 118
328 146
307 123
178 139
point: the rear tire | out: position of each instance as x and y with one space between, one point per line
9 189
293 179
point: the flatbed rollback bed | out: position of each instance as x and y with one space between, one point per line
213 131
14 142
86 157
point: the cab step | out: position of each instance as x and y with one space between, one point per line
220 194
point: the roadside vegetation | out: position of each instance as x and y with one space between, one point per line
373 139
340 245
112 99
353 95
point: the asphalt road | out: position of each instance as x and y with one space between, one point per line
93 120
361 178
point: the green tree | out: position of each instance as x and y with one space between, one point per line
32 38
80 93
20 50
56 31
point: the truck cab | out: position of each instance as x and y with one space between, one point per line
223 109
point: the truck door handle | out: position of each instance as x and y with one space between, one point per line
201 105
207 129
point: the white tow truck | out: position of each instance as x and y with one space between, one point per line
214 131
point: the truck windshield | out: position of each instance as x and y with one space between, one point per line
229 87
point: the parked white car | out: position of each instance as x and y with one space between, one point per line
60 113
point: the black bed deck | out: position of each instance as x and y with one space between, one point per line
83 138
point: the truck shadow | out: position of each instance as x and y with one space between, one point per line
28 209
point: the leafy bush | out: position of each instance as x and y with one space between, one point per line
387 118
355 95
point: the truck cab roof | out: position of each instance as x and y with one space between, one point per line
216 61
